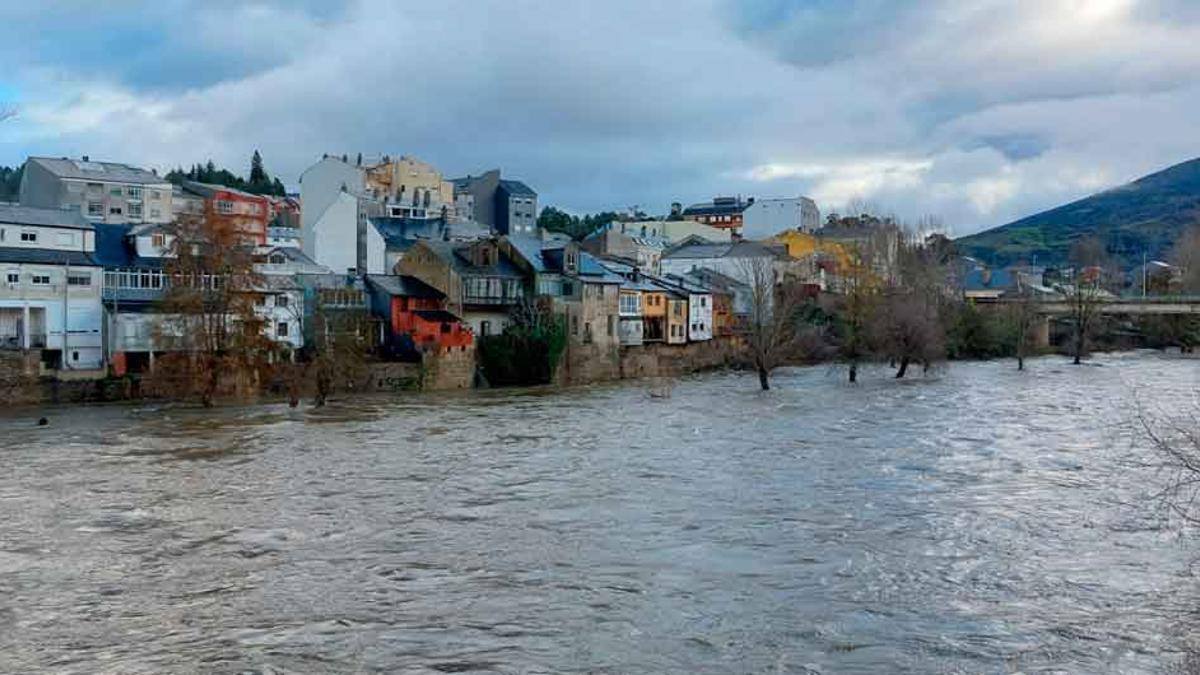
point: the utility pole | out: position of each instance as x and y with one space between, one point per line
1144 274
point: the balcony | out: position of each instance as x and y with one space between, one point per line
492 291
11 341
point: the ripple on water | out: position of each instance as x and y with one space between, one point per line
977 520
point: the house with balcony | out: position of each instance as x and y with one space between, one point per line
414 317
101 192
481 284
573 285
337 307
229 209
134 258
50 298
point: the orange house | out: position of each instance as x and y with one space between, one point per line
413 310
245 213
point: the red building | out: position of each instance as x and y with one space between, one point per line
722 212
246 213
415 315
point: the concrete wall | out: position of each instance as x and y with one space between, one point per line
768 217
663 360
449 369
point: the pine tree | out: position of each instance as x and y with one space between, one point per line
257 175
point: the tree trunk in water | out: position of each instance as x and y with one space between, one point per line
903 368
853 372
1078 349
1020 362
762 378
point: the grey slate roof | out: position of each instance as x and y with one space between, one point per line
516 188
43 256
97 171
28 215
739 249
403 286
210 189
456 255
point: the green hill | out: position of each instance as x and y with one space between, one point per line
1145 216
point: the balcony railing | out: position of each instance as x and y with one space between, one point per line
16 341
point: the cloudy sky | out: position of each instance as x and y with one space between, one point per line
977 111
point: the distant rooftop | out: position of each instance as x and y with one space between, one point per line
85 169
28 215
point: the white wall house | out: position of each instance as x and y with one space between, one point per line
700 316
50 295
765 218
333 213
101 192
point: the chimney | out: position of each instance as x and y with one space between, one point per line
86 158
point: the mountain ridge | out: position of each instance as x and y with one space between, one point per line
1145 216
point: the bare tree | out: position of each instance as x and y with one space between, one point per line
339 342
1185 255
1085 292
215 330
772 329
854 303
906 325
1022 316
7 111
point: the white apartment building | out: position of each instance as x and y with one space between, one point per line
765 218
50 296
102 192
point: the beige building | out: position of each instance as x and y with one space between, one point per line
410 188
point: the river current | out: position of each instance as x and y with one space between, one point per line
974 520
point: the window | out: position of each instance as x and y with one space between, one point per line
158 240
282 329
14 278
79 280
135 210
114 210
1 234
485 328
135 193
74 356
224 206
114 191
612 320
40 279
155 194
568 288
445 328
95 188
29 236
281 301
631 304
155 213
575 325
704 302
260 301
277 259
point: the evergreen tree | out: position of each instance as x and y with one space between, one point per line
257 175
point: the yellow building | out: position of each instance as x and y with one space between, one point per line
407 181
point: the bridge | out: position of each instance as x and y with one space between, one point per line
1164 304
1154 305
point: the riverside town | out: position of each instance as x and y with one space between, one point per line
609 338
382 274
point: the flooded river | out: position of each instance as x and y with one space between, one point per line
979 520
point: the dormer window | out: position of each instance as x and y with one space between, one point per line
158 240
277 259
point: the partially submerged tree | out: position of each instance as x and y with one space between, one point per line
1085 291
212 327
339 342
1021 314
907 324
773 326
